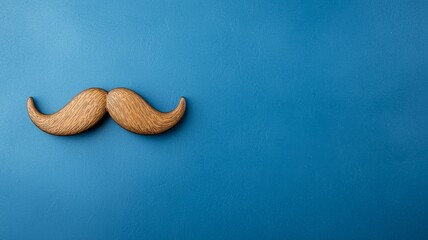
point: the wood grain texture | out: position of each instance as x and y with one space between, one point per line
133 113
80 114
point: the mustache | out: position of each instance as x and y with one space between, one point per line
87 108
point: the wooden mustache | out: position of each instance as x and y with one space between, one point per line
87 108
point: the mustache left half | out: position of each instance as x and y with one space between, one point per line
87 108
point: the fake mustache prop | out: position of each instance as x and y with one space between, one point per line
87 108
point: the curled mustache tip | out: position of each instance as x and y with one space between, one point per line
134 114
78 115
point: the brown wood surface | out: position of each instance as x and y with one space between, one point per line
80 114
133 113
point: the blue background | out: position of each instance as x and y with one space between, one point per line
306 120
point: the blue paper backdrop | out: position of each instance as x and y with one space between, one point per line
306 120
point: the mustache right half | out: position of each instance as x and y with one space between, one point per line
134 114
126 107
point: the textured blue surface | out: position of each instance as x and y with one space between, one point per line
306 120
